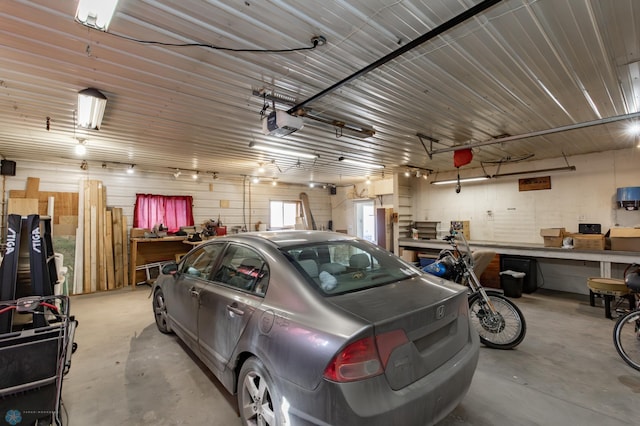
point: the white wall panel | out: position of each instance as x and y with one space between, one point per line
248 203
584 196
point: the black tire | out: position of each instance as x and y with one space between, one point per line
160 312
504 331
258 398
626 338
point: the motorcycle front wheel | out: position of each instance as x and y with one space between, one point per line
503 330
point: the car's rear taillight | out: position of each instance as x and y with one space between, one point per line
364 358
387 342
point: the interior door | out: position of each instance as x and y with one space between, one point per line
227 303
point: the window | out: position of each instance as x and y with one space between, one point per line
244 269
171 211
200 262
348 266
284 214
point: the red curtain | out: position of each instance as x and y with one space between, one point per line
171 211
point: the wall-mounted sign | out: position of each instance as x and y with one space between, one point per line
534 184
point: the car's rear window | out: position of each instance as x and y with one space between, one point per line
347 266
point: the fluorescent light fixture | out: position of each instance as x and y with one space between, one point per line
96 13
91 105
361 163
283 151
462 180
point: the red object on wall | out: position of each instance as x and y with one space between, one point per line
462 157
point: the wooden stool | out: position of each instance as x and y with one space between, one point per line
608 289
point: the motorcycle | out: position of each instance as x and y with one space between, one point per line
498 321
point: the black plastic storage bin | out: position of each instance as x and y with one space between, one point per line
527 265
512 283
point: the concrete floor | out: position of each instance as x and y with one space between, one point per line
566 372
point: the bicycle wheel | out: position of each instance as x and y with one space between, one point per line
503 330
626 338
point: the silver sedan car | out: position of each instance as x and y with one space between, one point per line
314 327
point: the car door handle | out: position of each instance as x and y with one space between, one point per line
235 310
193 292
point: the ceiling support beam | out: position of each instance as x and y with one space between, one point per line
458 19
538 133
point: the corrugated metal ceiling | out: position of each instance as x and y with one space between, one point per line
520 67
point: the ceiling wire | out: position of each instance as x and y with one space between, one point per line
315 41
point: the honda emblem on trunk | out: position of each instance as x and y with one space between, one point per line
440 312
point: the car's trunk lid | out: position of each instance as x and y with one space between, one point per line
432 313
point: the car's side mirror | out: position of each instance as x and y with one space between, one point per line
170 268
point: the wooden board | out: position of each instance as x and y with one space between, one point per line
125 251
534 184
108 249
102 204
33 187
86 287
118 261
63 229
22 206
93 259
68 220
66 203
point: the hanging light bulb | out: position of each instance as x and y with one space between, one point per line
81 148
194 176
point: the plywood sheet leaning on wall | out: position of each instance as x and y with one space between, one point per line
22 206
62 207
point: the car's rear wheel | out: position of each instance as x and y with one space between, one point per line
160 312
258 398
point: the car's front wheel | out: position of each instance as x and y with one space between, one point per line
258 398
160 312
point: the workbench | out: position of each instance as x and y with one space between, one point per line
146 251
569 267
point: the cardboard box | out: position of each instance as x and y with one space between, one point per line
552 236
625 239
409 255
587 241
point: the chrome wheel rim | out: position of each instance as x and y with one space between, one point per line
160 310
257 404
